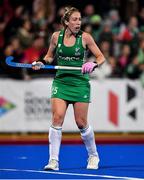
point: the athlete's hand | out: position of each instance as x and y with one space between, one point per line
36 65
89 67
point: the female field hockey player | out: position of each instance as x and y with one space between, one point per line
71 86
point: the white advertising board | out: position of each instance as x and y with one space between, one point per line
117 106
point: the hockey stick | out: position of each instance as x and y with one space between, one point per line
9 61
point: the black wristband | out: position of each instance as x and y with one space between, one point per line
43 61
96 65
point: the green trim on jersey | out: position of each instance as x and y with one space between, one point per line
72 81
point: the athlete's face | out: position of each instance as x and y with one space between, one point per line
74 22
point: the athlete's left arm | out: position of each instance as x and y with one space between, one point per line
91 45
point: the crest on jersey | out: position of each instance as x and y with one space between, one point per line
77 51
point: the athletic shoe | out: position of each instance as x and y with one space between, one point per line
52 165
93 162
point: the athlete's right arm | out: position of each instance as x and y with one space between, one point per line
36 65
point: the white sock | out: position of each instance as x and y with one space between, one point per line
55 135
88 138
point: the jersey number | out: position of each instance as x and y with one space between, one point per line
54 90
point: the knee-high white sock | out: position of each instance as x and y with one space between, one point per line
88 138
55 135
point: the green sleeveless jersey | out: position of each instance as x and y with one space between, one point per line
71 85
71 56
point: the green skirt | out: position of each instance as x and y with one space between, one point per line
71 93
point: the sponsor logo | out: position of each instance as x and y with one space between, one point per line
131 108
113 108
69 58
36 107
5 106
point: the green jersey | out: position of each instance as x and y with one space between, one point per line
71 85
71 56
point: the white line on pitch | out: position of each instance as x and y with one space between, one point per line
72 174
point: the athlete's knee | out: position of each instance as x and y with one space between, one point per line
57 119
81 123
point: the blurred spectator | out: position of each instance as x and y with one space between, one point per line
142 79
141 52
17 48
15 23
115 70
2 39
50 11
124 58
13 49
39 14
141 18
33 53
141 60
105 48
141 33
133 71
89 11
106 33
6 15
115 21
6 11
130 34
25 35
95 22
57 24
43 13
131 8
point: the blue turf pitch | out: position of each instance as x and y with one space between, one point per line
27 161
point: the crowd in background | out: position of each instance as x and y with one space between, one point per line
25 34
